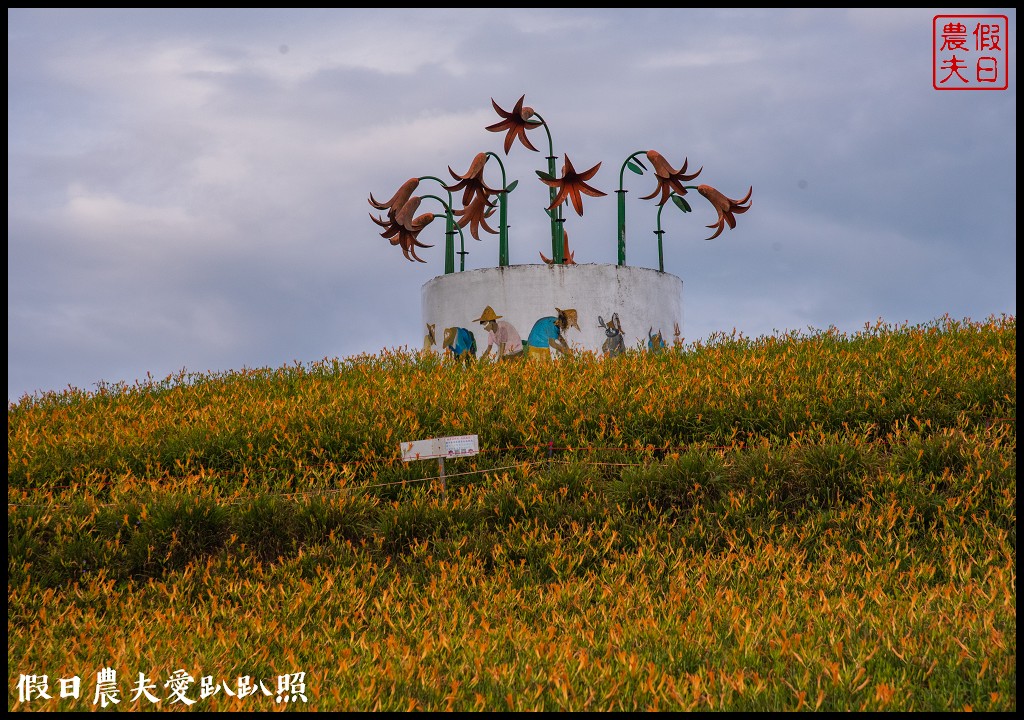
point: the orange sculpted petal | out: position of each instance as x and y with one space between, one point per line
514 124
727 208
669 179
400 198
572 185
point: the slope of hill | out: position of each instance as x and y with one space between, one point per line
800 521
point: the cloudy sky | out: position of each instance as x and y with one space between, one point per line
188 189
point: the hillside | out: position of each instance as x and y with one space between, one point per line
809 520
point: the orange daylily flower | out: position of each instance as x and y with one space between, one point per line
571 185
727 208
515 124
669 180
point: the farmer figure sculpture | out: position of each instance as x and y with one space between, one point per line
549 332
501 333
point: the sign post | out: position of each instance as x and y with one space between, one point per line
440 448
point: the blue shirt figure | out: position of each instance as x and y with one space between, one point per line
464 342
655 342
544 330
548 333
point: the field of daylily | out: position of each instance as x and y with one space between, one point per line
811 520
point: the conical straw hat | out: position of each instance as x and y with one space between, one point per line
488 315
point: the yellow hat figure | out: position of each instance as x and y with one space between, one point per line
488 315
429 340
569 317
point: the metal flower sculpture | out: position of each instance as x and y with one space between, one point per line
572 186
399 199
476 196
727 208
669 180
406 237
402 226
481 202
403 229
472 182
569 256
670 187
475 215
515 124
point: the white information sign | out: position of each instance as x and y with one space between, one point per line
421 450
461 445
446 447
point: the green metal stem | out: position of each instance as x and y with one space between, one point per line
449 245
503 230
449 231
449 226
557 226
555 214
622 226
502 215
622 207
660 233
